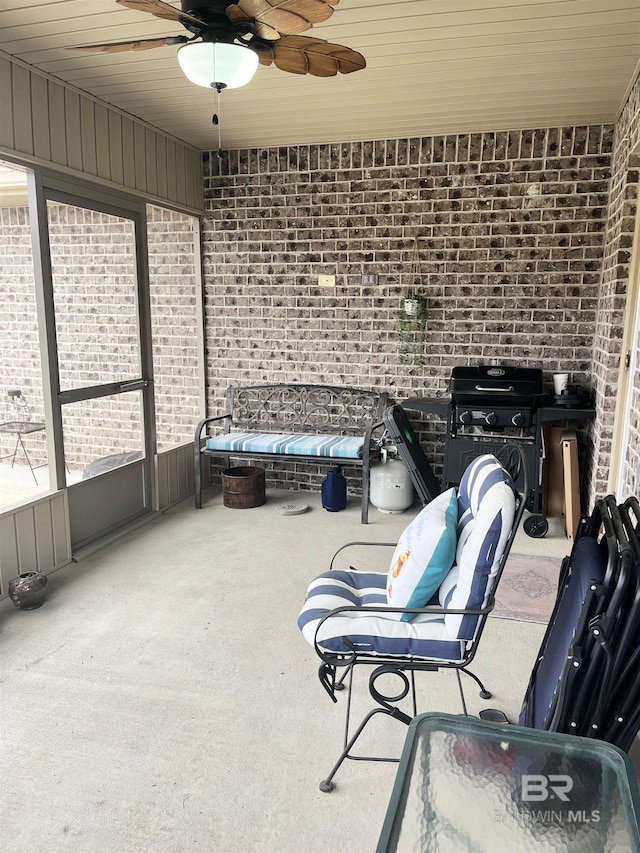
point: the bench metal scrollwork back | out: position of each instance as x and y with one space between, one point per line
305 407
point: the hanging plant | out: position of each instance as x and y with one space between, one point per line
412 317
414 307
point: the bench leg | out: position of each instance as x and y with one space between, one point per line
197 474
365 492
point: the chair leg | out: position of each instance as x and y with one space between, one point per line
484 693
26 455
327 677
339 685
326 786
385 707
408 686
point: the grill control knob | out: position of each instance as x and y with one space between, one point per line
465 417
518 419
491 418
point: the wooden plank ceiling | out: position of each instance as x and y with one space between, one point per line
433 67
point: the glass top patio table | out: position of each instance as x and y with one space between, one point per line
21 427
464 784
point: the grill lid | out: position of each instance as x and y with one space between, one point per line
495 382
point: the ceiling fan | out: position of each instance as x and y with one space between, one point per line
228 40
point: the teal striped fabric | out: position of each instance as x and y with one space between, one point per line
332 446
291 444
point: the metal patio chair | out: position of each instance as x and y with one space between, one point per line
348 620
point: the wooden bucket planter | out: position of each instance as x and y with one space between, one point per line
243 487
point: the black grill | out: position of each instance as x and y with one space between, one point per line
491 405
495 397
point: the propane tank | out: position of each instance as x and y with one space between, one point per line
391 489
334 491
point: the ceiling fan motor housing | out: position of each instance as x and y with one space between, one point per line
216 26
210 12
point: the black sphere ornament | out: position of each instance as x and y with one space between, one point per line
28 590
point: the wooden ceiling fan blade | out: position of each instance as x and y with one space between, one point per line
160 10
287 16
313 11
235 13
295 55
121 46
262 31
320 58
291 60
348 60
265 57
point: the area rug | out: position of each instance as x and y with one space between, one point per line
527 590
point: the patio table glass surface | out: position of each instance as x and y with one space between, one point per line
466 784
21 427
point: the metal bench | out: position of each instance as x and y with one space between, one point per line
303 423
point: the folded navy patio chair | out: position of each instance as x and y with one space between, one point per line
621 722
585 678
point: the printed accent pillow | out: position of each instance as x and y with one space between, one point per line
424 555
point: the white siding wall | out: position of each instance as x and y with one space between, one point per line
45 122
35 536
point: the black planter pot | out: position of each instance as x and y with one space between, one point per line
28 590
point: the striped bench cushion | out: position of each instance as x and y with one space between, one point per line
423 637
290 444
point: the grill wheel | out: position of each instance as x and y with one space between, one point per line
536 526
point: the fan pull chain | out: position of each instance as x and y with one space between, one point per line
216 120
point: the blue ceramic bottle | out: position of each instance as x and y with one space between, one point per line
334 491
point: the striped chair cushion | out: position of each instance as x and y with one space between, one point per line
291 444
371 633
486 510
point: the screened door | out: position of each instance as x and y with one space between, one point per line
104 405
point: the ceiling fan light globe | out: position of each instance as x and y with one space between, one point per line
217 64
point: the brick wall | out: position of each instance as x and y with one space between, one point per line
173 250
625 185
511 233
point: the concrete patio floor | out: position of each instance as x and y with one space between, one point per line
162 700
